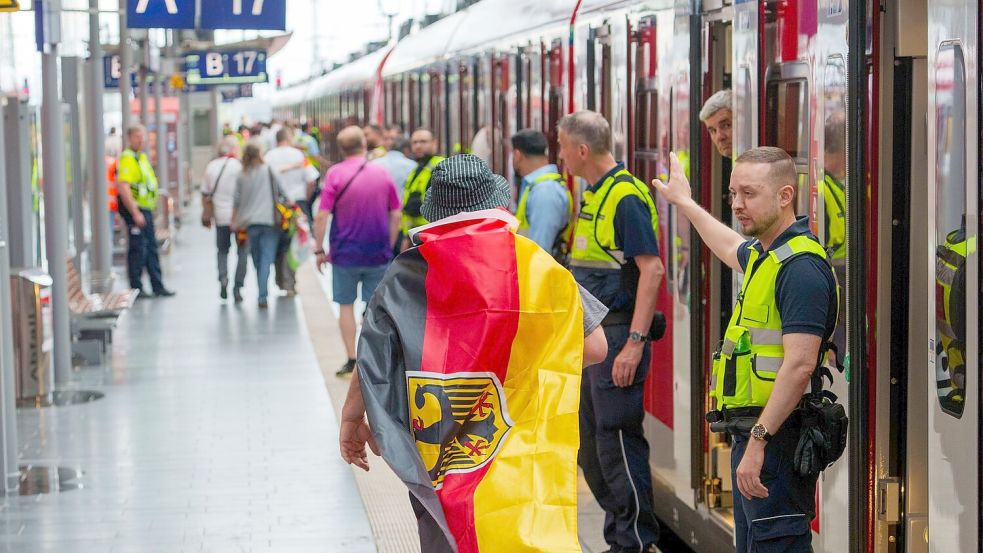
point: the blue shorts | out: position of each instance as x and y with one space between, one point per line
345 280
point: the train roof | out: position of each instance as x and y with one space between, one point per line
361 72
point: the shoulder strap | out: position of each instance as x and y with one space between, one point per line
344 189
218 179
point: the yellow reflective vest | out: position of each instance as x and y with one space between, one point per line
135 169
520 212
414 192
834 206
950 299
594 237
745 368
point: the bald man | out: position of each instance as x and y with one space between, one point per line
360 201
424 147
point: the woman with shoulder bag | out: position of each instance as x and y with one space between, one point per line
217 195
258 192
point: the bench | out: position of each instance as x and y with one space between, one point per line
94 316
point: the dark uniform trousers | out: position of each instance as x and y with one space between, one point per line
614 453
142 251
781 522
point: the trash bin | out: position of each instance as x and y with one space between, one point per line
31 309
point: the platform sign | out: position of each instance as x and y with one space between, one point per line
244 14
219 67
9 6
161 14
113 70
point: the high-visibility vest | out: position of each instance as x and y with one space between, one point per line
416 185
745 368
520 212
950 299
139 174
112 192
834 206
593 240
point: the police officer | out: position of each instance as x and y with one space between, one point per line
138 199
545 205
424 147
615 256
776 339
950 279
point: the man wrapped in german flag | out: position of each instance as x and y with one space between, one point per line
469 367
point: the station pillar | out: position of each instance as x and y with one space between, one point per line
125 62
101 247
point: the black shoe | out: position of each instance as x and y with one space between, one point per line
143 295
263 304
237 295
347 368
164 293
223 293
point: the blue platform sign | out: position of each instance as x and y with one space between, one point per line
160 14
244 14
222 67
113 70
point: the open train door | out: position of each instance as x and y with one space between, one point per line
952 351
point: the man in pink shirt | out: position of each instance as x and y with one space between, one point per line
364 209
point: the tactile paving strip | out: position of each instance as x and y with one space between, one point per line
385 497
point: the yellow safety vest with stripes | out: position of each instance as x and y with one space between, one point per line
136 170
416 185
745 368
594 237
834 206
520 212
950 273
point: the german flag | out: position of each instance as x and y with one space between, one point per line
470 362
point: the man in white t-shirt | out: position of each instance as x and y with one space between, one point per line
298 178
219 184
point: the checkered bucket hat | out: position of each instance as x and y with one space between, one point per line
463 183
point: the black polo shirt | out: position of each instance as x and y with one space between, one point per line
805 289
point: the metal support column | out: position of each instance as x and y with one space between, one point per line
101 247
216 130
55 200
144 49
8 406
72 98
126 62
22 231
161 169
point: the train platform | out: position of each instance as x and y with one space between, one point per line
217 430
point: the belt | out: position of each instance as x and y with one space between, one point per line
741 412
617 318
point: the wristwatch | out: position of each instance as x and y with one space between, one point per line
760 433
638 337
319 252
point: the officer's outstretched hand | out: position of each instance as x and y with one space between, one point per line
749 471
677 189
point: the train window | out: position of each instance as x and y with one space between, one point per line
744 116
832 188
950 229
787 123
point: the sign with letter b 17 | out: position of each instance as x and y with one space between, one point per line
160 14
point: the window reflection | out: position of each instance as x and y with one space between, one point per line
832 186
950 229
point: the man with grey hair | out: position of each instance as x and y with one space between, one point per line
396 163
615 256
716 115
219 187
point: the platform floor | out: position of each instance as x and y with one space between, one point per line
217 432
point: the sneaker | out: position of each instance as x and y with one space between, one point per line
291 292
223 293
237 294
346 369
142 295
263 304
164 293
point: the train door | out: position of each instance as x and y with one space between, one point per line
555 92
499 128
717 286
952 294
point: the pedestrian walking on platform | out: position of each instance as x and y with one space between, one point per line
137 190
615 255
773 348
397 164
359 199
469 368
219 189
299 178
258 190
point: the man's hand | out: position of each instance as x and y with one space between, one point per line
749 471
353 437
677 190
320 260
139 219
626 364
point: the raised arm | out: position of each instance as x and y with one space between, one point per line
722 240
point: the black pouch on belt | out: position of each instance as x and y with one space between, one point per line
824 433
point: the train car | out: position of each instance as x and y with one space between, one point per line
878 104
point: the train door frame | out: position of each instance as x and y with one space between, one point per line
554 95
499 124
953 463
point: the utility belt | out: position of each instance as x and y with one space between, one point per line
623 318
